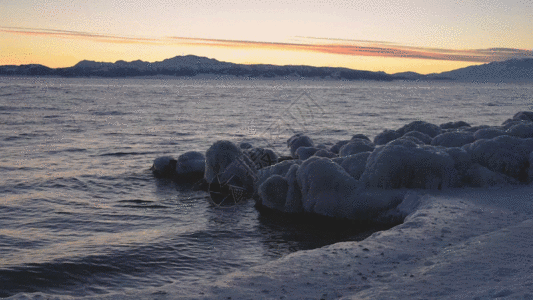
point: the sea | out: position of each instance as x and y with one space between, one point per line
81 214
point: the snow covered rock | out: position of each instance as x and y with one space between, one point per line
337 147
229 172
488 133
325 153
403 164
356 146
454 125
360 136
164 166
479 176
453 139
298 140
262 157
386 136
419 135
304 153
521 130
273 192
355 164
430 129
191 165
504 154
326 188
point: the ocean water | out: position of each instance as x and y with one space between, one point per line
82 215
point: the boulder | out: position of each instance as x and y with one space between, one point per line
430 129
298 140
403 164
453 139
356 146
355 164
386 136
419 135
504 154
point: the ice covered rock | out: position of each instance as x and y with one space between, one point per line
299 140
281 168
462 159
403 164
304 153
356 146
229 172
355 164
360 136
521 130
430 129
530 179
488 133
504 154
245 145
524 115
325 153
293 202
164 166
337 147
412 139
262 157
386 136
326 188
512 122
479 176
191 166
453 139
419 135
454 125
273 192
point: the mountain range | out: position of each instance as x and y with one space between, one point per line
514 70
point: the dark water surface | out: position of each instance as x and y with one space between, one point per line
81 214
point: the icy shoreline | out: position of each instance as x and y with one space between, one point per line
458 244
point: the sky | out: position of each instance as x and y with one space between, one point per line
423 36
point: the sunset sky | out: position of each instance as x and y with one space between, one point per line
424 36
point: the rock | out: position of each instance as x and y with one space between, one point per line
402 164
454 125
479 176
355 164
262 157
521 130
325 153
360 136
488 133
273 192
356 146
504 154
190 166
304 153
453 139
430 129
229 173
326 188
337 147
245 145
297 141
293 203
386 136
419 135
164 166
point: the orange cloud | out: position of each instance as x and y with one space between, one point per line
307 44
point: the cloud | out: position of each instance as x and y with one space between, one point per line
306 44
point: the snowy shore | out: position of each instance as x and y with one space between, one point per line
458 244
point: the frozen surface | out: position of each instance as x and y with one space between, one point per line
461 244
